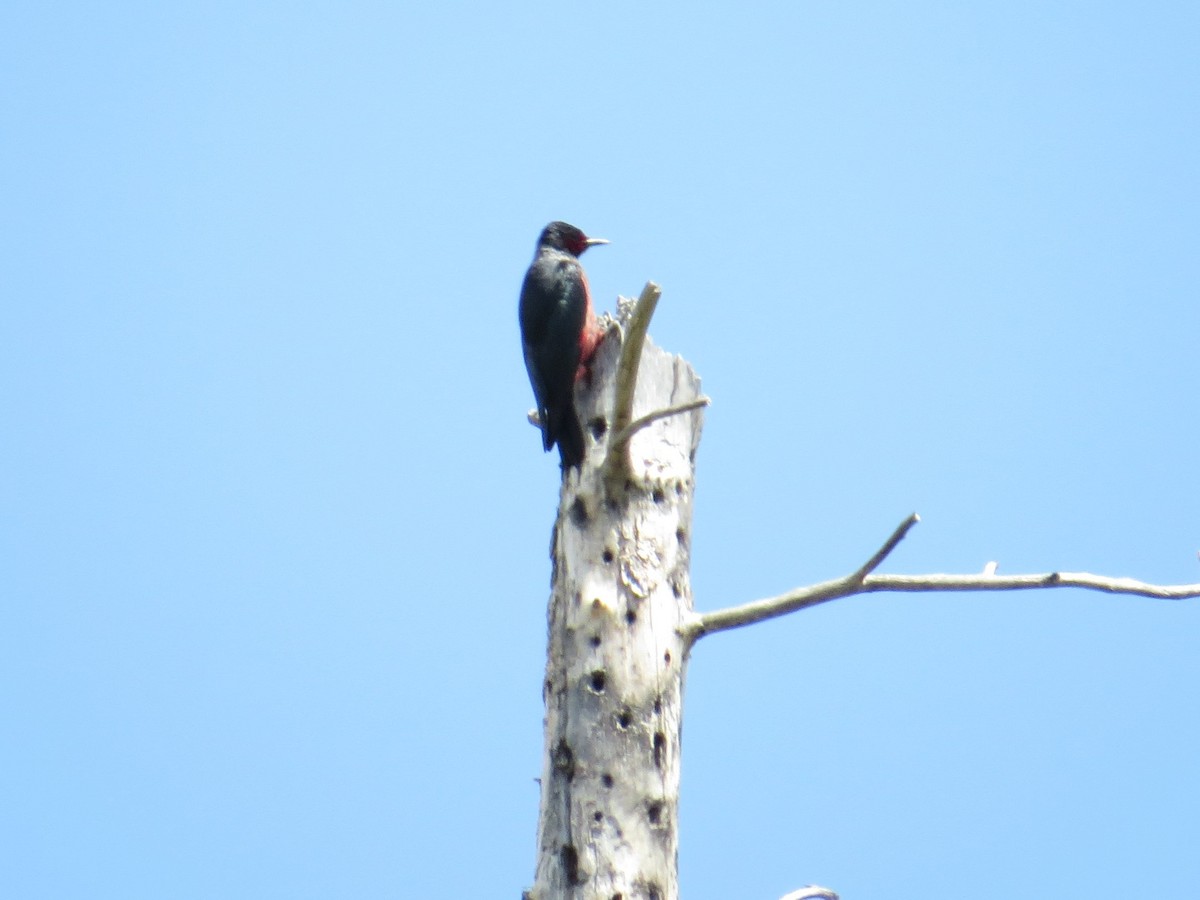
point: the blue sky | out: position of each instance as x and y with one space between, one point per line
274 530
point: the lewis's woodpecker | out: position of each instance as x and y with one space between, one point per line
559 333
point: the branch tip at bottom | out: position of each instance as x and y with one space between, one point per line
812 892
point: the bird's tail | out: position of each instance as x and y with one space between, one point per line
568 433
548 426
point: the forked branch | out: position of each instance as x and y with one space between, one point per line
864 581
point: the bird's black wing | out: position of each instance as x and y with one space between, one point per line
552 310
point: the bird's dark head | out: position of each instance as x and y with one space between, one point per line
561 236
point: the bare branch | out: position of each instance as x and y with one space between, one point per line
616 462
759 610
863 581
638 424
1086 580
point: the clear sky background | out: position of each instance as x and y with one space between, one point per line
274 529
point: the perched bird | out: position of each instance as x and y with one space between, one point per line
559 334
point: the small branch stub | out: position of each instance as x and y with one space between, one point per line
650 418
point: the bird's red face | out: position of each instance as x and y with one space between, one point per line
567 237
587 242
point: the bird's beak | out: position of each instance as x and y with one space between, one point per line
592 242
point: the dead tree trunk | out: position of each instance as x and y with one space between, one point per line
621 625
614 675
